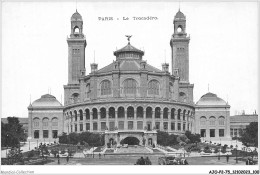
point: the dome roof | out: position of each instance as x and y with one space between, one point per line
46 100
128 48
76 17
210 99
179 14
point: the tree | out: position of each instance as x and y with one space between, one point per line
12 132
73 138
250 135
63 138
192 137
162 138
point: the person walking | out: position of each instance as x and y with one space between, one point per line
99 156
67 158
248 161
227 158
58 156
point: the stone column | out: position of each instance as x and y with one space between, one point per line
125 124
144 119
91 121
161 120
78 125
153 119
84 117
135 119
116 119
98 121
107 119
181 121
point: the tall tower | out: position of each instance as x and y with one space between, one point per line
76 47
180 48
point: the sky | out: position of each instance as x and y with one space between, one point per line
222 52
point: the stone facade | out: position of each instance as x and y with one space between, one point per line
45 119
238 123
212 116
127 95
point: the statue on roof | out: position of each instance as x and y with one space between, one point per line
128 38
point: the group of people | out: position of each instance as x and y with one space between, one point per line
249 161
143 161
180 162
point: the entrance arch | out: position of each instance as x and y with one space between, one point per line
130 141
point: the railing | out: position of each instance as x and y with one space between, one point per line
124 97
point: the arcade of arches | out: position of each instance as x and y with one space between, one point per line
100 118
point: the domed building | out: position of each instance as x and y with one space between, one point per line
212 116
45 121
129 97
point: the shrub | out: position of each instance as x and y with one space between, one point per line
30 154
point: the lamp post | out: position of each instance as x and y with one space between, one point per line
7 143
219 153
236 153
29 145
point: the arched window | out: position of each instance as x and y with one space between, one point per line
75 97
75 115
157 112
111 112
153 87
36 122
71 116
212 120
184 113
103 113
221 120
149 112
172 113
130 86
45 122
179 29
76 29
95 115
105 87
202 120
80 115
182 97
121 112
87 114
140 112
165 113
179 114
130 112
54 122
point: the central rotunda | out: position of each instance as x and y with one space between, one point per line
129 97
